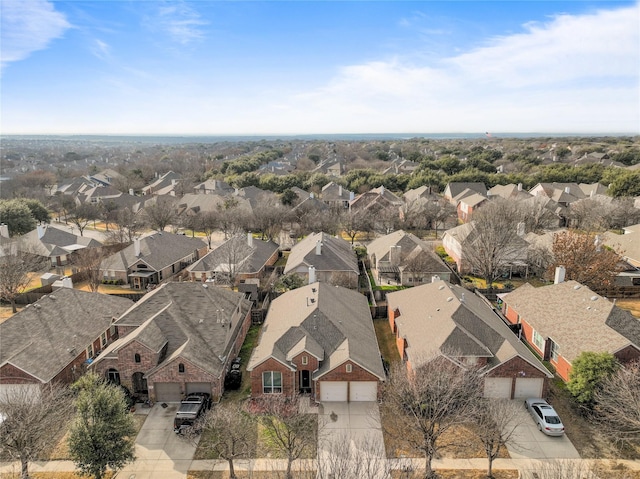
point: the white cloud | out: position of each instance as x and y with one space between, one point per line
181 22
572 73
100 49
28 26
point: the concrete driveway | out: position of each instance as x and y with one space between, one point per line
529 443
159 451
350 442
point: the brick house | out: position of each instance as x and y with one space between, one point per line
53 339
405 259
318 340
179 339
152 259
441 319
239 257
325 258
562 320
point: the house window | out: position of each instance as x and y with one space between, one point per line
538 340
90 351
113 376
180 368
271 382
349 368
305 360
554 350
136 358
103 339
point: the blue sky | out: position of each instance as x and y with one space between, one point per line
305 67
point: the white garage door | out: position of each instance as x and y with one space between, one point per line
168 392
333 391
198 388
497 388
528 388
363 391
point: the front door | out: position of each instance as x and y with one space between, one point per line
305 381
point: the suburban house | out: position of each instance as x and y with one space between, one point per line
564 319
403 258
163 184
441 319
318 340
325 258
213 187
459 239
152 259
467 205
179 339
628 243
455 191
55 338
240 257
335 196
55 244
509 192
375 200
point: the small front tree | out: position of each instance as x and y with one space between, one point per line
101 436
32 417
588 371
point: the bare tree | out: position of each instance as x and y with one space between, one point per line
438 212
435 396
536 214
494 241
15 267
584 258
564 469
231 218
160 214
267 219
230 431
236 254
32 417
625 212
618 404
353 223
88 261
494 422
292 433
127 225
363 458
82 215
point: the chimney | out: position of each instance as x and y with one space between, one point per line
394 255
598 243
312 274
519 186
67 282
174 182
567 189
352 196
136 247
560 271
312 195
4 230
435 278
40 231
520 229
339 190
131 192
250 239
318 248
381 190
592 194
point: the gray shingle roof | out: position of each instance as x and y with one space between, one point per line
410 246
251 259
39 338
338 320
193 319
336 254
158 250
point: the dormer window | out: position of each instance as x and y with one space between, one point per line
305 360
180 368
136 358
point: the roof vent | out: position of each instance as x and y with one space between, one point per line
52 296
205 286
594 298
449 299
576 287
441 287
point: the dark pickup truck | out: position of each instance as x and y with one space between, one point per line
191 408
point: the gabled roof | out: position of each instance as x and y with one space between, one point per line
410 246
214 186
441 318
335 192
336 254
49 241
454 188
334 322
162 182
420 192
46 336
197 322
157 250
575 318
249 258
628 243
473 199
509 191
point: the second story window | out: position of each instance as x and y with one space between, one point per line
349 368
180 368
136 358
305 360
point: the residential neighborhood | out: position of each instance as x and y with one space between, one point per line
321 295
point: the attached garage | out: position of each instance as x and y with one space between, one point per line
198 388
168 392
497 388
363 391
333 391
528 388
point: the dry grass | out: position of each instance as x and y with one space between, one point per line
386 341
632 305
52 475
444 474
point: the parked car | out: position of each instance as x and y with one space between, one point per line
191 408
545 416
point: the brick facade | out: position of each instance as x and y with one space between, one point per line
288 377
518 368
170 373
9 374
